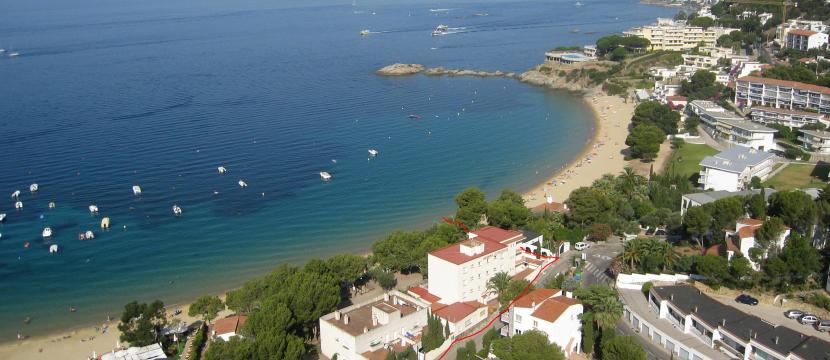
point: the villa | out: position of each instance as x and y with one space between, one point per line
549 311
366 331
228 327
734 168
699 199
744 237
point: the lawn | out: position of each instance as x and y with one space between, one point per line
800 176
686 160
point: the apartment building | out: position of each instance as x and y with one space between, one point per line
700 61
732 169
798 24
793 119
725 125
668 34
753 91
393 321
803 40
817 141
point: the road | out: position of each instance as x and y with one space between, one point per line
653 352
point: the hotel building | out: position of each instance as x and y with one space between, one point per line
753 91
668 34
732 169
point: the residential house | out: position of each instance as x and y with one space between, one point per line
752 91
550 311
365 331
744 237
702 198
700 61
817 26
793 119
461 315
803 40
725 125
817 141
677 102
732 169
228 327
677 35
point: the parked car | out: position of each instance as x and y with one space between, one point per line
650 231
660 232
746 299
793 314
823 325
581 246
809 319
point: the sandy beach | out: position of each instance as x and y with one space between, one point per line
602 154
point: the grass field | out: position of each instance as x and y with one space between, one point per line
686 160
800 176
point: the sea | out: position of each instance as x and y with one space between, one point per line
108 94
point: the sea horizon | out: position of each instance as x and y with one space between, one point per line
150 97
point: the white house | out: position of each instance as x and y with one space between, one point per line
369 330
744 238
803 40
699 199
548 311
725 125
734 168
149 352
228 327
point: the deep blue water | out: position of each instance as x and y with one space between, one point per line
110 94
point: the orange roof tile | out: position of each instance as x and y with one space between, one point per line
230 324
802 32
521 275
536 296
751 222
458 311
792 84
424 294
452 253
552 308
555 207
498 235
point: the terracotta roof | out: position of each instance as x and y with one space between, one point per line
230 324
792 84
802 32
676 98
498 235
522 274
458 311
785 111
552 308
721 249
751 222
556 207
747 232
424 294
453 254
536 296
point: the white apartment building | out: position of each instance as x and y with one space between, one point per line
700 61
369 330
817 141
732 169
702 198
798 24
744 239
725 125
549 311
668 34
753 91
803 40
793 119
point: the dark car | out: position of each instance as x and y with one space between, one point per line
793 314
650 231
746 299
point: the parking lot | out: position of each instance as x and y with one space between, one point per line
774 315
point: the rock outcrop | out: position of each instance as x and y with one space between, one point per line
440 71
400 69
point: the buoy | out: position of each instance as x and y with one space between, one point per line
26 245
105 223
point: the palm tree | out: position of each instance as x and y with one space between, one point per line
498 283
670 257
631 252
630 180
607 311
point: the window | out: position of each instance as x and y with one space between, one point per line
518 319
535 323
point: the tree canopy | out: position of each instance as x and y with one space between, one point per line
471 206
657 114
622 348
645 140
530 345
142 323
206 307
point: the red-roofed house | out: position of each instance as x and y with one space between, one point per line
677 102
548 311
228 327
461 315
744 238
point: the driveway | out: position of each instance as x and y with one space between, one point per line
772 314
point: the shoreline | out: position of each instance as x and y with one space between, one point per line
601 154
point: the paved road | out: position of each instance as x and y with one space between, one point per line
653 352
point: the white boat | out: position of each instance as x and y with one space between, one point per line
325 176
365 32
47 232
53 249
242 183
2 51
177 210
93 209
105 223
373 152
14 54
440 30
33 188
52 205
89 234
18 205
16 194
578 3
2 217
136 190
221 169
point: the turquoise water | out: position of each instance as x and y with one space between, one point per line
109 94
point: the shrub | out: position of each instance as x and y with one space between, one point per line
647 287
384 278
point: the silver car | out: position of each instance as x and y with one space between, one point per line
823 325
809 319
793 314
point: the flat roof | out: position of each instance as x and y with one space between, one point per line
712 196
785 111
787 83
360 317
817 133
736 159
748 125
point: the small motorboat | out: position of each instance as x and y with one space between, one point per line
177 210
53 249
242 183
14 54
52 205
16 194
33 188
440 30
88 235
105 223
18 205
365 32
93 209
136 190
373 152
2 217
578 3
325 176
47 232
414 116
221 170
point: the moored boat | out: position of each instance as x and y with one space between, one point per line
373 152
221 169
136 190
33 188
47 232
177 210
16 194
242 183
18 205
93 209
325 176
